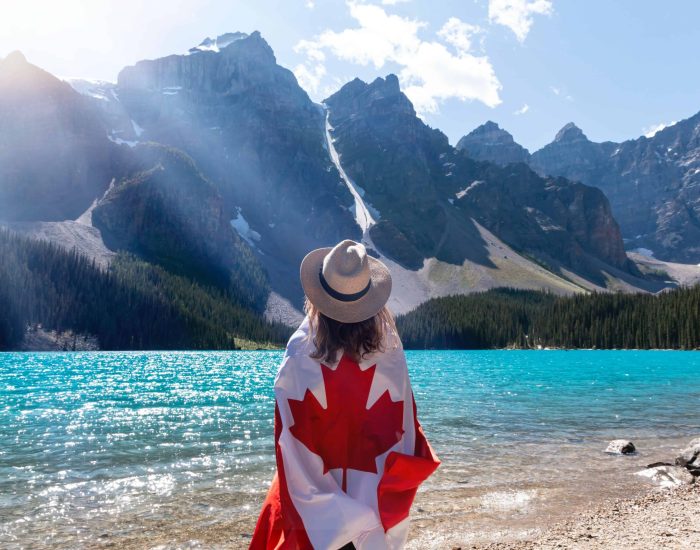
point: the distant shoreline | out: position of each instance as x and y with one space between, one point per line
279 348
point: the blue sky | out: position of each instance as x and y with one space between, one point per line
616 69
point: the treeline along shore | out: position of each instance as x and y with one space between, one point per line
131 305
506 318
137 305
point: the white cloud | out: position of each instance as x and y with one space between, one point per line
524 109
561 92
310 4
651 131
517 14
311 49
459 34
428 71
334 85
380 38
394 2
433 74
310 77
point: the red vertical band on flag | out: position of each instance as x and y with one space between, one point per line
279 526
402 476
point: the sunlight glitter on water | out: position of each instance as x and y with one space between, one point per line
130 445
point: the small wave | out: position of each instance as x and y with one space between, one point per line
507 501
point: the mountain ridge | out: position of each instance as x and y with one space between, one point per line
411 174
256 135
653 183
219 159
54 156
492 143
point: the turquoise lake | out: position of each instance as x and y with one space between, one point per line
134 446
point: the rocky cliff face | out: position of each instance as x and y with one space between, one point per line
653 184
491 143
55 158
253 132
395 159
563 223
427 192
244 176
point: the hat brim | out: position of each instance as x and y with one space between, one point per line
345 312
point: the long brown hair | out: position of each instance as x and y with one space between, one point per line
358 340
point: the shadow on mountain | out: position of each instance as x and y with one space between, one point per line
168 213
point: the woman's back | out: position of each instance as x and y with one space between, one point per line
350 451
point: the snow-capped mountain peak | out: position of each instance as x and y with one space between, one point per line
219 43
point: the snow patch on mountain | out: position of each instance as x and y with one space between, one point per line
242 227
171 90
545 222
652 130
461 193
644 252
120 141
97 89
217 44
365 215
137 129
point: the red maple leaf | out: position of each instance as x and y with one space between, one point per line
346 434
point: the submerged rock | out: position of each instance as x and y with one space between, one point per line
621 447
668 476
690 456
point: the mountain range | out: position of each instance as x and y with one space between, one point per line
217 166
652 183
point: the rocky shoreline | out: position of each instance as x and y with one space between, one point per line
37 338
666 517
647 517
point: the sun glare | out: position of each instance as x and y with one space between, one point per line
45 16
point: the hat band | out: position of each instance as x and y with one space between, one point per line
339 295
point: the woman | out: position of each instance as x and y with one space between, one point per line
350 451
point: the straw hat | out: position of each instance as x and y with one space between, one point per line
344 283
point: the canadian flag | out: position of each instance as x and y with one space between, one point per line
350 452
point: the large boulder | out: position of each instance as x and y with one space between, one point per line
668 475
690 456
621 447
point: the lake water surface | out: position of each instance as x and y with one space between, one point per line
175 449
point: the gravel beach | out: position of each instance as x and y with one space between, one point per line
657 511
665 518
662 518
